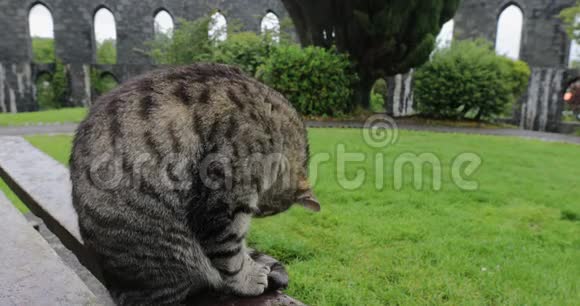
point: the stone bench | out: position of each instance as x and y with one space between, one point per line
31 273
44 186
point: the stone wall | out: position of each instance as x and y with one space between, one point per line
544 41
544 45
16 88
75 44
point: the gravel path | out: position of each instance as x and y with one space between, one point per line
69 128
544 136
66 128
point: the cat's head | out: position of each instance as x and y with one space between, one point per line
277 200
288 183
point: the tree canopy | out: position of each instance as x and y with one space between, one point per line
570 18
107 52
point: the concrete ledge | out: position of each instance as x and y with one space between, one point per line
44 186
568 127
31 273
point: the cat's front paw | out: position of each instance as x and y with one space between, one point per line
278 277
252 280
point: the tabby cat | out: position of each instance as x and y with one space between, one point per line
167 172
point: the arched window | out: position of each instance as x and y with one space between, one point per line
41 33
270 25
164 24
104 83
105 37
445 37
509 32
218 27
574 58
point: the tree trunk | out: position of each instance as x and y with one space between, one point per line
362 92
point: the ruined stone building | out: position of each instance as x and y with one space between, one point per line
544 46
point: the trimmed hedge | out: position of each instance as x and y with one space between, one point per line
468 80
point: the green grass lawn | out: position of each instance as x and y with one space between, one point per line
57 146
12 197
73 115
515 240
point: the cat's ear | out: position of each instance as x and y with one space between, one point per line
306 197
309 201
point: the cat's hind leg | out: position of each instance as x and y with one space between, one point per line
164 272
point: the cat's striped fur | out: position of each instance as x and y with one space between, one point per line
167 172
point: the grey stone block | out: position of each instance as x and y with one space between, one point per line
31 273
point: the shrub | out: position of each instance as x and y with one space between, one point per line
316 81
378 95
44 92
52 92
107 52
189 43
43 50
246 50
468 80
520 76
377 102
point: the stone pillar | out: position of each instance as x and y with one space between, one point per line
17 92
80 84
541 106
3 105
399 101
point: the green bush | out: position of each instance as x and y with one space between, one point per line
316 81
468 80
378 95
43 50
246 50
191 43
377 102
44 92
188 44
107 52
52 92
520 76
